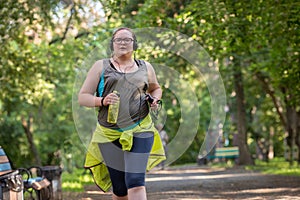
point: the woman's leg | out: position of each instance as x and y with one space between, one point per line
114 197
137 193
135 165
114 160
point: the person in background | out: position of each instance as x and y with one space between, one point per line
120 152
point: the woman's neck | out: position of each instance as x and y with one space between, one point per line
123 60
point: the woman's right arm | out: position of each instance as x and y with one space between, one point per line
86 95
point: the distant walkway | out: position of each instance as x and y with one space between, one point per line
205 183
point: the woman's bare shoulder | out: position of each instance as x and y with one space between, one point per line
149 67
99 63
97 66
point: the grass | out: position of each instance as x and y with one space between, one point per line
276 166
227 164
74 182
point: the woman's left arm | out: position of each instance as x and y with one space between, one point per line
154 88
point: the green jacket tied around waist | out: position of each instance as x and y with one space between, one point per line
95 162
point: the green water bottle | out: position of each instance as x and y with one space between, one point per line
113 111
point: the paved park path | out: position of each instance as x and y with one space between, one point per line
195 182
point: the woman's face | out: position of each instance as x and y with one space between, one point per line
123 42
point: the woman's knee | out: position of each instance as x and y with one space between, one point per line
135 180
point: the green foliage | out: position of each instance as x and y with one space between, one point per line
227 30
38 57
13 141
249 32
45 42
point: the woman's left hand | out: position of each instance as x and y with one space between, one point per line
154 105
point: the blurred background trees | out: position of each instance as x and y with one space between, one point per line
255 45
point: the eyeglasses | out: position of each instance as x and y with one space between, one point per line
120 40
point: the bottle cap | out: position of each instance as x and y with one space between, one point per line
116 92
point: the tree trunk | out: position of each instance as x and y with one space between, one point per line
291 123
297 139
290 137
27 128
245 156
271 143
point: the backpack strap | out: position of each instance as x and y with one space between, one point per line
100 87
101 84
140 62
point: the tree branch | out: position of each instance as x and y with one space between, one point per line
67 27
267 88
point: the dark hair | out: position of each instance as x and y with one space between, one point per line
135 45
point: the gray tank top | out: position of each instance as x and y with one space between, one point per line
132 88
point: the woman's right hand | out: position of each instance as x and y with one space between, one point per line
111 98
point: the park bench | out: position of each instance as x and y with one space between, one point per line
220 153
13 183
225 153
